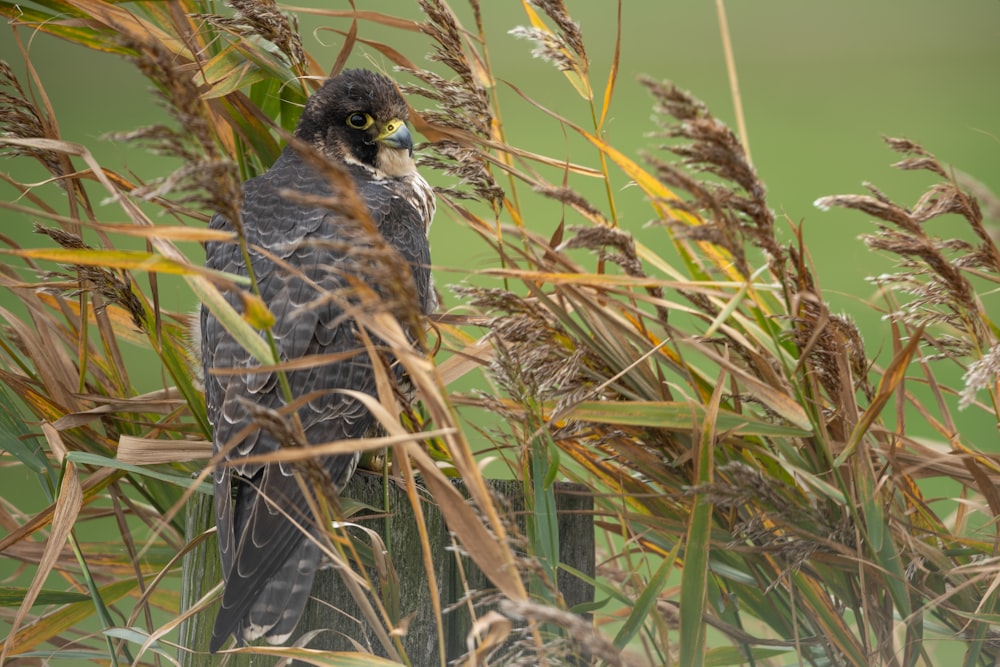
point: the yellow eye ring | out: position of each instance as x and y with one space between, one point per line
359 121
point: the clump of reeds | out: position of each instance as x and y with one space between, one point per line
754 470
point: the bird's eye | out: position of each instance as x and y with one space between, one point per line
360 121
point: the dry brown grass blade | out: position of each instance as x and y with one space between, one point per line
43 517
387 20
53 364
462 362
127 23
609 88
486 544
152 451
386 411
892 377
67 508
782 403
166 232
350 38
488 633
157 402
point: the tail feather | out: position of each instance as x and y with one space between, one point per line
277 607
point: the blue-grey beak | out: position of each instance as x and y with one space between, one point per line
397 135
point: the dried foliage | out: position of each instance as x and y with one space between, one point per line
748 473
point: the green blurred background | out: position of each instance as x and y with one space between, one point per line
820 84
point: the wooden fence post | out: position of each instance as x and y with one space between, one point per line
334 609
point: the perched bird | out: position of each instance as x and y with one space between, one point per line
306 259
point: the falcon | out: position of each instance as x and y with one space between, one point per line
307 260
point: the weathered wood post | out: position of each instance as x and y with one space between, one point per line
334 611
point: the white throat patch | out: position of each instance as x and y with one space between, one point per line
394 162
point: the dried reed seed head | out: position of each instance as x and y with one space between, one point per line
824 337
741 484
264 19
565 48
464 104
877 207
582 639
947 347
944 198
978 258
442 27
21 119
846 336
114 286
921 164
981 195
599 238
468 165
902 145
556 10
981 374
924 160
714 148
495 300
673 101
207 177
738 206
596 238
62 237
533 362
549 47
931 267
574 200
944 276
175 86
536 357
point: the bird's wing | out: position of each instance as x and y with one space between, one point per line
403 211
269 571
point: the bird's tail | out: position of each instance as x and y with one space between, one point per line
278 605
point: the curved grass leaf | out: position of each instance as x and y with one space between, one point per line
677 416
13 597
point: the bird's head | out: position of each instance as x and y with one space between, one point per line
359 117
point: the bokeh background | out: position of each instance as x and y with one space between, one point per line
820 84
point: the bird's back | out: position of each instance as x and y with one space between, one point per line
307 260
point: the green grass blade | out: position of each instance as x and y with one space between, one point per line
694 579
645 604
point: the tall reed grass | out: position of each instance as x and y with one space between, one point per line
759 490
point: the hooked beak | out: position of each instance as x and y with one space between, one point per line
397 135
